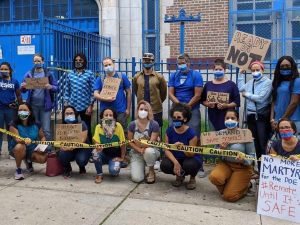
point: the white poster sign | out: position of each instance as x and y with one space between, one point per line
26 50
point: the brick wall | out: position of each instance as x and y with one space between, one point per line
205 39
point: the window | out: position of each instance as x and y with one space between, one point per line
56 9
85 8
5 10
26 10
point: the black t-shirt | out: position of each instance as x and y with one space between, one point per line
277 146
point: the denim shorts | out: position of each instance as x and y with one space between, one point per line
27 156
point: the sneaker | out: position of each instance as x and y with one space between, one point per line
18 174
252 189
29 167
201 172
157 165
11 157
67 172
82 170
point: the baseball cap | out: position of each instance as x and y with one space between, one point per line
148 56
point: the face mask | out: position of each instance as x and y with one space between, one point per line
78 65
4 74
286 134
109 127
177 123
109 69
70 119
143 114
147 65
230 124
218 74
256 75
40 65
23 115
182 67
285 72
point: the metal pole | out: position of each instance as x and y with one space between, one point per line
181 37
132 90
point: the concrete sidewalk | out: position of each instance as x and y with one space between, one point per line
78 200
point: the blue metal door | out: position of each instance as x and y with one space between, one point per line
5 43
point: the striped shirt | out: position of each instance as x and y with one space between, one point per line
79 91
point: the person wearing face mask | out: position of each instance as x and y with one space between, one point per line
9 90
24 124
121 103
177 162
79 90
81 155
41 100
232 176
289 145
144 127
257 93
108 131
286 92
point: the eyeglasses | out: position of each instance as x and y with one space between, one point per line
285 128
148 55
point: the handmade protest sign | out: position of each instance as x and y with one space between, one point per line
231 136
246 48
36 83
279 189
68 132
110 87
220 97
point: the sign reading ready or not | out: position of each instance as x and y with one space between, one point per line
36 83
219 97
68 132
279 189
110 87
245 49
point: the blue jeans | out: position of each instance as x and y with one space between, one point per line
113 167
44 117
81 155
6 116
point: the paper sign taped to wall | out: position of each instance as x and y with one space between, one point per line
231 136
279 189
246 48
36 83
68 132
110 87
220 97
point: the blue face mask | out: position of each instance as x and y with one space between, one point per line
4 74
70 119
230 124
182 67
256 75
285 72
218 74
23 115
177 123
109 69
147 65
40 65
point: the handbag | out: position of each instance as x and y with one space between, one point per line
54 167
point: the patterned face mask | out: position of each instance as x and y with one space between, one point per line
109 127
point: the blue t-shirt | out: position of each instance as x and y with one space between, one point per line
184 85
31 132
216 116
7 92
147 89
184 138
120 103
284 97
38 95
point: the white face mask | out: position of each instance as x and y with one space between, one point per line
143 114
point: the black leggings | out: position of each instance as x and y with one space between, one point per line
87 119
189 165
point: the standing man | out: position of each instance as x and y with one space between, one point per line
186 85
151 86
120 103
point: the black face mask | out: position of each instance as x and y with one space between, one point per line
78 65
178 123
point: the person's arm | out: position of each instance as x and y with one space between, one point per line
240 83
42 135
134 145
163 89
197 96
272 151
135 85
53 84
172 97
128 101
84 136
19 96
23 84
263 95
169 155
103 99
15 131
249 151
295 98
192 142
272 117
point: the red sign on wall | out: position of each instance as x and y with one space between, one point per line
25 39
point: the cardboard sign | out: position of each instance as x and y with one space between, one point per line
110 87
231 136
245 49
36 83
220 97
68 132
279 189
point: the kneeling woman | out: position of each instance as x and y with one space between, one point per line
25 125
81 155
289 145
232 175
108 131
176 162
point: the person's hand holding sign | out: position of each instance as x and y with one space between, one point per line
224 145
211 104
99 148
240 158
222 106
48 86
294 158
23 85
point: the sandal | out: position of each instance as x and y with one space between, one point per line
99 179
191 185
178 181
149 177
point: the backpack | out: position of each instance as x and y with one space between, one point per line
120 77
